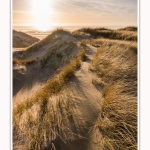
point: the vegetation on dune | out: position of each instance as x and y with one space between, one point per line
129 28
109 42
47 40
31 48
83 43
39 120
54 35
40 124
82 55
116 64
54 85
126 35
44 60
27 129
60 31
24 62
118 61
21 39
55 50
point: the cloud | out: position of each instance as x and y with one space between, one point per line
80 6
85 11
97 6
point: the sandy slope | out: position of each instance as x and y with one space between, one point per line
86 103
28 79
85 94
21 39
71 119
86 98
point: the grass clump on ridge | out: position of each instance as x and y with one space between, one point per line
116 64
129 28
24 62
82 55
47 40
55 50
39 125
127 35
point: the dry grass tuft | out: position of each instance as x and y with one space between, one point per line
68 72
129 28
116 64
127 35
24 62
49 39
53 86
82 55
66 48
39 120
83 43
41 124
98 82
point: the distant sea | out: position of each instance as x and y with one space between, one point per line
39 34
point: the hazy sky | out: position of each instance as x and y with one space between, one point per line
75 12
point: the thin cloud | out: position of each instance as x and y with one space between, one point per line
109 6
86 11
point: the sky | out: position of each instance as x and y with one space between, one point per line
44 13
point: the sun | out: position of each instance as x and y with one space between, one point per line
42 12
43 27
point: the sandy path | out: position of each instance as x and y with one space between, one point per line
86 99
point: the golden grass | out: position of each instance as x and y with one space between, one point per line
118 121
127 35
31 48
82 55
24 62
53 86
40 119
37 130
83 43
97 81
116 64
109 42
129 28
37 120
49 39
55 50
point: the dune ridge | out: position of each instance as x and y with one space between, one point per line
80 92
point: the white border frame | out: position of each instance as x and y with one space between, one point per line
5 77
144 74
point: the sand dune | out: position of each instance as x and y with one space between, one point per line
21 39
59 94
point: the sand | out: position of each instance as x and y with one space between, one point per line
86 97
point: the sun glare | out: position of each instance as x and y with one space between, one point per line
42 11
43 27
